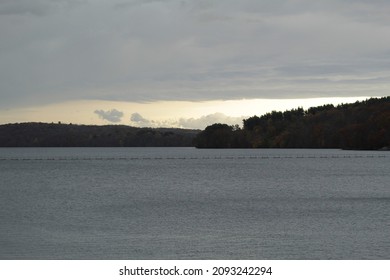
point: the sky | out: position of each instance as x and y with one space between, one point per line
187 63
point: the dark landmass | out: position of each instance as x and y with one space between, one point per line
70 135
360 126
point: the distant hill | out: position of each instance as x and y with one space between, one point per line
69 135
361 125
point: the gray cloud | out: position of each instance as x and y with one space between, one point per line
112 115
36 7
20 7
136 117
192 123
53 51
204 121
137 120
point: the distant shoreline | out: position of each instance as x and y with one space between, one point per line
363 125
70 135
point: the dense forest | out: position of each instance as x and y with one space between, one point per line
70 135
361 125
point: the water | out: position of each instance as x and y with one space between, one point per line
184 203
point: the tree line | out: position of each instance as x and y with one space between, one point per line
363 125
70 135
359 125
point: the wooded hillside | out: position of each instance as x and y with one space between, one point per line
68 135
360 125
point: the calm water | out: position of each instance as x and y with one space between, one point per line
183 203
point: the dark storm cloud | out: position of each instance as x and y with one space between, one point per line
113 115
145 50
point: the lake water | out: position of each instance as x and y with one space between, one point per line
184 203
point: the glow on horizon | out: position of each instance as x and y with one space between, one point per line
184 114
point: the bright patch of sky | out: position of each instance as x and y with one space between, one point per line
182 114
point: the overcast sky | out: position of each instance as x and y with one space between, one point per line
137 51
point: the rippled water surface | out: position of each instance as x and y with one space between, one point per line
184 203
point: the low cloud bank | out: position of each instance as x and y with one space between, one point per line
204 121
112 115
137 119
